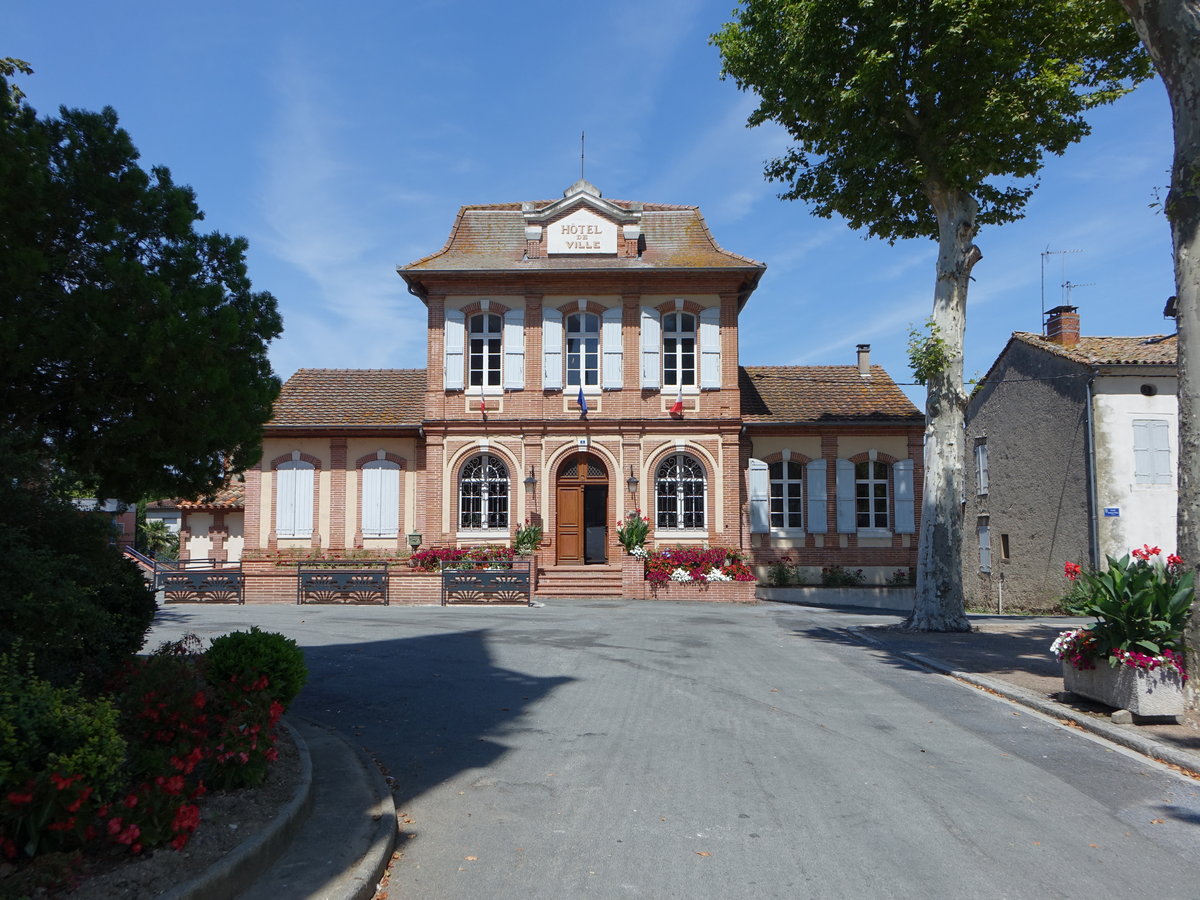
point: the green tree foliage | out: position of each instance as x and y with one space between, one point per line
132 348
928 120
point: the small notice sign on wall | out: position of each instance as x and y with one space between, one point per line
1112 511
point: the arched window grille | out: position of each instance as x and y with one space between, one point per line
679 491
483 493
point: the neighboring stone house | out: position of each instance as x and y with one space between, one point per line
583 363
1071 445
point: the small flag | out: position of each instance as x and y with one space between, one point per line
482 403
677 409
582 401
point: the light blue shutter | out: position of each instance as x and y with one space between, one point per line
1160 450
651 344
453 331
610 339
846 519
1151 452
902 477
514 350
293 499
381 499
710 348
552 348
981 468
814 474
760 497
983 532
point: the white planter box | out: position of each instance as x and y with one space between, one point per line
1157 692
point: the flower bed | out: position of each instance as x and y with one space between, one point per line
436 558
717 574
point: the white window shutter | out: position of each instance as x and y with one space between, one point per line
710 348
981 468
760 497
372 500
514 350
846 518
612 377
453 331
552 349
814 474
983 532
285 501
1151 451
902 478
304 500
651 347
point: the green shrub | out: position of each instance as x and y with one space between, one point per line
68 598
837 576
56 748
247 654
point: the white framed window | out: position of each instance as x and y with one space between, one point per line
380 499
1152 452
484 361
483 494
787 495
871 495
679 349
981 467
583 350
294 499
679 488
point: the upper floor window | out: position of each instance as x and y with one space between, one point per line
583 350
484 334
787 494
483 493
981 467
679 349
1151 451
679 493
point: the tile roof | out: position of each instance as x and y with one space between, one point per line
1154 350
232 496
492 237
351 398
821 393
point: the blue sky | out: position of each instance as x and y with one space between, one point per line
341 142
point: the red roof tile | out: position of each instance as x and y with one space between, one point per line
821 393
232 496
1154 350
351 398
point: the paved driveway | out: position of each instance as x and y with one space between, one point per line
613 749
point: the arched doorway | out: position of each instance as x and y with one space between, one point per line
581 524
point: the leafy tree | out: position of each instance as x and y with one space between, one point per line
929 120
132 348
159 540
1170 30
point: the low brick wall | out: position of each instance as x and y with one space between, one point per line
267 582
634 586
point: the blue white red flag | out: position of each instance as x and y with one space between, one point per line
582 401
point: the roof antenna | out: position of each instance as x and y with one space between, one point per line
1045 253
581 178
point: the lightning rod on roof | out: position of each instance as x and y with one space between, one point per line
581 155
1045 253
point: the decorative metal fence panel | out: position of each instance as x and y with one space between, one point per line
334 583
222 585
511 584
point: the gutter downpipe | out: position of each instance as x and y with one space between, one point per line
1093 511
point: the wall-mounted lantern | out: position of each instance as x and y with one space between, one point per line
531 480
632 481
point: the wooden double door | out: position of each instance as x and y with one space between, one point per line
581 525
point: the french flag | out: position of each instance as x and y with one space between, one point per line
677 408
582 401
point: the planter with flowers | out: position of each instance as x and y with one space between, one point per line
1132 657
688 573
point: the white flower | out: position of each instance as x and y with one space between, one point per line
681 574
716 575
640 552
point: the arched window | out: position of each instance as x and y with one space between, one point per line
484 364
483 493
679 349
679 493
380 499
787 494
871 494
294 499
583 350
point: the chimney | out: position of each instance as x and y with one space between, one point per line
1062 325
864 360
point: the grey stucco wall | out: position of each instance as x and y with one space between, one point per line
1032 412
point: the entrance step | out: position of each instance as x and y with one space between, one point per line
579 581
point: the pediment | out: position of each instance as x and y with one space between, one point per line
582 222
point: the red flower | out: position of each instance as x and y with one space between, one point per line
1072 570
1146 552
19 799
1174 560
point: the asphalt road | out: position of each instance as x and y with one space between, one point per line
657 750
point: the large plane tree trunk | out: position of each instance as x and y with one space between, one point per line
939 592
1170 29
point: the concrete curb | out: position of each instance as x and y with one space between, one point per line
1115 733
229 875
360 881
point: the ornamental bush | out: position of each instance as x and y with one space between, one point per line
250 654
684 564
435 558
